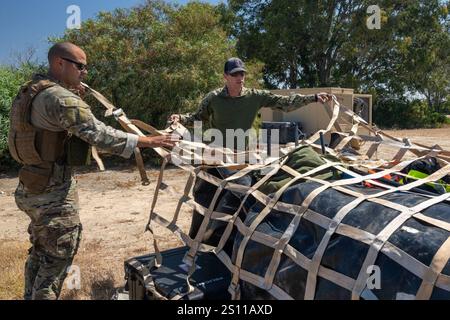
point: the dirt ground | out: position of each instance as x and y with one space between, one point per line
114 213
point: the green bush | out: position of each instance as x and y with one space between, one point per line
152 61
157 59
447 120
403 114
10 81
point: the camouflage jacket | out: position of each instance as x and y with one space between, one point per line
58 109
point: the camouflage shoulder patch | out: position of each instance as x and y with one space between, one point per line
65 97
72 102
76 115
75 110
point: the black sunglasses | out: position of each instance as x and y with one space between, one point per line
79 65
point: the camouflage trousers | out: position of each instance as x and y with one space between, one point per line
55 234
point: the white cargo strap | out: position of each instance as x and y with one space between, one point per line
431 275
126 124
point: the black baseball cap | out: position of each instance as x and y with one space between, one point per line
234 65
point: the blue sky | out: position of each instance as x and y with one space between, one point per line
29 23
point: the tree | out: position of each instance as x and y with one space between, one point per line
156 59
301 42
425 53
327 43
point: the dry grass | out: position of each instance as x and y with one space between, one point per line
13 255
101 273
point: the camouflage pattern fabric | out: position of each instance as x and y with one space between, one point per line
58 109
55 233
55 228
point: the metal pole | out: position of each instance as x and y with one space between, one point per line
322 143
296 134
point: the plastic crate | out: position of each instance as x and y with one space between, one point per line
288 131
210 280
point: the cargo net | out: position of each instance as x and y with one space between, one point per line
314 226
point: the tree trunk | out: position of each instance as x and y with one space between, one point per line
324 72
293 76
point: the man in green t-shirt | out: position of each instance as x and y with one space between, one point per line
236 107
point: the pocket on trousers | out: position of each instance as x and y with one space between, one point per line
67 244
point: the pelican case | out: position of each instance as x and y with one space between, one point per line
210 280
287 131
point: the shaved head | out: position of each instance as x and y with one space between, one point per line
62 49
67 63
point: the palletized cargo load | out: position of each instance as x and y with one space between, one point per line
309 225
329 238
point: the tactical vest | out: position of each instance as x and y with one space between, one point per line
29 145
38 149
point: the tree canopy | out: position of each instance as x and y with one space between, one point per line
327 43
157 59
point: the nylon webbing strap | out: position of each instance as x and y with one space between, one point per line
97 159
128 126
431 276
438 263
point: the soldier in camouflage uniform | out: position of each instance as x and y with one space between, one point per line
51 130
236 107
